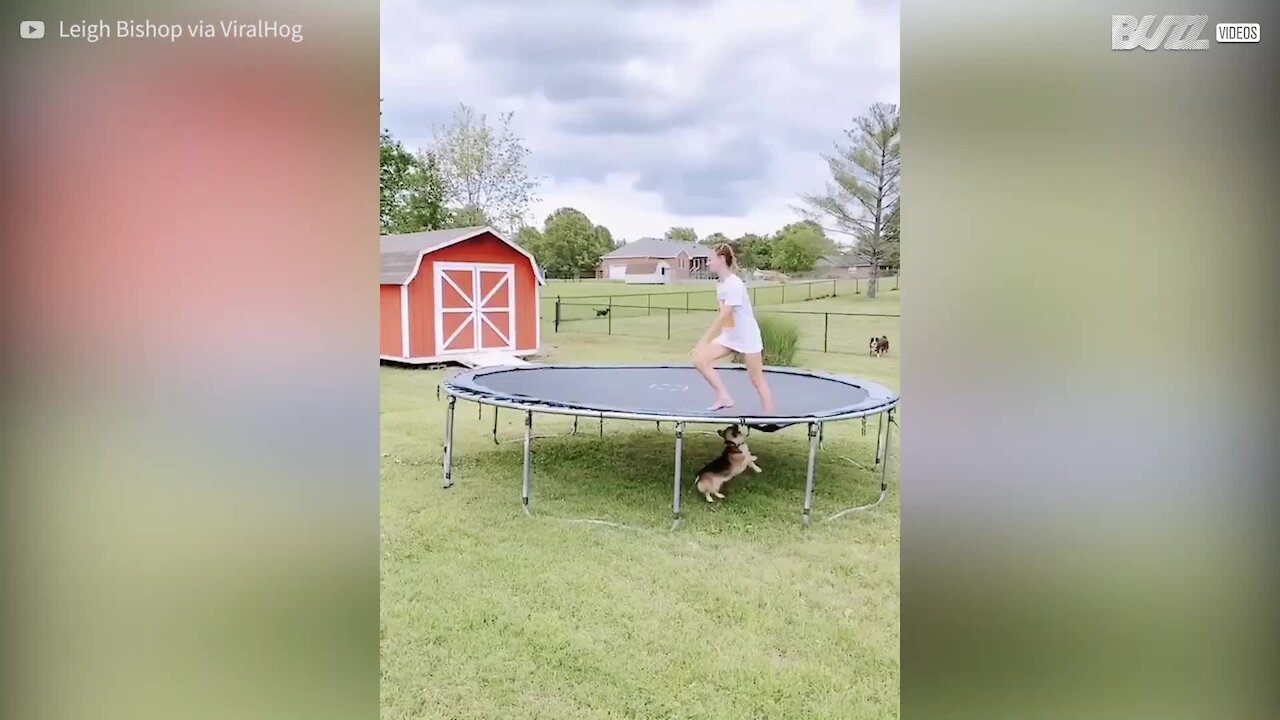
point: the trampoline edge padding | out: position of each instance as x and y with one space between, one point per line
670 392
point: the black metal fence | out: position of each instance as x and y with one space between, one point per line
819 330
704 298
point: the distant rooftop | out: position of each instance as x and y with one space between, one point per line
659 248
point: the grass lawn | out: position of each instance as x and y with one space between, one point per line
742 613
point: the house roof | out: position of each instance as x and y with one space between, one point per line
843 260
659 248
402 254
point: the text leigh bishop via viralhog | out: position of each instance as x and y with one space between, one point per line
95 30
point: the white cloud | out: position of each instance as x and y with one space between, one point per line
645 116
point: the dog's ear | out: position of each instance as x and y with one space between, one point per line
721 432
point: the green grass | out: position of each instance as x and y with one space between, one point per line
742 613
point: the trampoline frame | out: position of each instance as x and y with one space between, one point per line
885 409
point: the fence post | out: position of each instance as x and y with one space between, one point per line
810 291
648 305
557 313
609 315
753 295
826 329
834 284
668 323
856 291
784 293
686 303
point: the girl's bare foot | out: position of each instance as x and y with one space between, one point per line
722 403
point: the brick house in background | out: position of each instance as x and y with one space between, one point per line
847 265
641 256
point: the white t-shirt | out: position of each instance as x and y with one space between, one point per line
744 335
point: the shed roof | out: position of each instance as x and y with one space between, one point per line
402 254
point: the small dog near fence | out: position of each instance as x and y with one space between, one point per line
602 312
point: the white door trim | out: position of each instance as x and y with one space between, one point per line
404 321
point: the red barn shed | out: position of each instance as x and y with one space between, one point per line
447 293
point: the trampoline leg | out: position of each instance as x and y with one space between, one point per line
448 442
808 480
495 425
879 438
528 468
601 426
884 469
575 424
675 493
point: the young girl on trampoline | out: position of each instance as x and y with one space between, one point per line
734 330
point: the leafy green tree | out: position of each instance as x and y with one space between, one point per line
606 238
484 168
410 190
528 237
862 198
682 234
570 245
468 216
754 251
893 258
716 238
798 246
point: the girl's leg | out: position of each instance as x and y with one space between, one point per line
705 361
755 368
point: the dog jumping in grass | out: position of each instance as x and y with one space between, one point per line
602 312
879 346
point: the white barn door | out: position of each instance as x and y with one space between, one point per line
475 307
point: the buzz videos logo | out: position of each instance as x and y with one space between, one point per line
1175 32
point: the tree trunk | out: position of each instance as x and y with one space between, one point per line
873 281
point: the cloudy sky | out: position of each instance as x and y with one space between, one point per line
646 114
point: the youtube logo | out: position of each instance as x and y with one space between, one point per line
31 29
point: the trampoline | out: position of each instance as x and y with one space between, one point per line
677 394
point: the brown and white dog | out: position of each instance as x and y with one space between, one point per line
880 346
733 461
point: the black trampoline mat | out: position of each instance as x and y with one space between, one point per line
674 390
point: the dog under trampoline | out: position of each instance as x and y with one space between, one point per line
676 394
